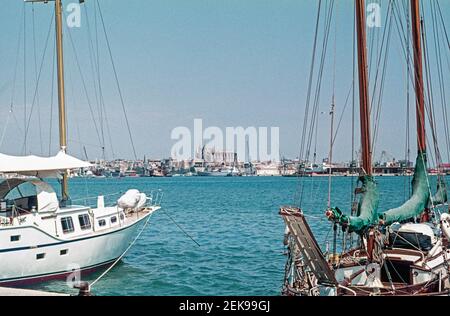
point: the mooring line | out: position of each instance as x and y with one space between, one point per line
179 227
123 254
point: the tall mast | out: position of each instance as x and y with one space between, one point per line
418 76
363 86
61 93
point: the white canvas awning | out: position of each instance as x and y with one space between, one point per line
40 166
46 199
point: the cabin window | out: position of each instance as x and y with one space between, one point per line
64 252
67 225
15 238
85 222
40 256
113 219
122 217
101 223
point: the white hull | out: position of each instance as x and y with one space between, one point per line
20 264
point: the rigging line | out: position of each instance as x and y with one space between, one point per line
123 254
441 79
310 81
19 44
371 40
352 183
408 183
83 81
379 59
312 128
100 104
412 78
36 76
85 144
432 108
117 81
341 117
92 56
95 65
404 52
25 76
381 91
27 125
445 36
181 228
318 86
307 106
5 127
443 23
52 92
430 95
320 77
330 156
79 137
108 131
379 94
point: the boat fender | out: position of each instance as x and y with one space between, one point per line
370 245
437 247
445 225
286 236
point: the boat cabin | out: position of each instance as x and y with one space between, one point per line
25 196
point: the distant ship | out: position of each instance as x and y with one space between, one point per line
223 172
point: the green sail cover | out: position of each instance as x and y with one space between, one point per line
419 199
367 208
441 194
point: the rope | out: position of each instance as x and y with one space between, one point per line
179 227
83 81
123 254
36 74
117 81
28 117
6 127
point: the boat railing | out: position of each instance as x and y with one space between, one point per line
154 198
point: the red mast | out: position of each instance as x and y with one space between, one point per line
363 86
418 75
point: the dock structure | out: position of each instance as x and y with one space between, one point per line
25 292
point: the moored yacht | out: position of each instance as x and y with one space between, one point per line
43 236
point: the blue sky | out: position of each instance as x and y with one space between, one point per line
230 62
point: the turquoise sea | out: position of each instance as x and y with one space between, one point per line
236 223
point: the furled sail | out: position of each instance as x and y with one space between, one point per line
367 208
419 199
441 196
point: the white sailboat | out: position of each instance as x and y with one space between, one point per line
46 237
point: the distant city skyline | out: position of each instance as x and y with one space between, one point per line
230 63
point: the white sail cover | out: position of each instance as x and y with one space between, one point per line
40 166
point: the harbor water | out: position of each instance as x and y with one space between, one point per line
234 220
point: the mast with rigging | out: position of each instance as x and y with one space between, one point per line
61 90
420 199
368 204
418 76
363 87
61 95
